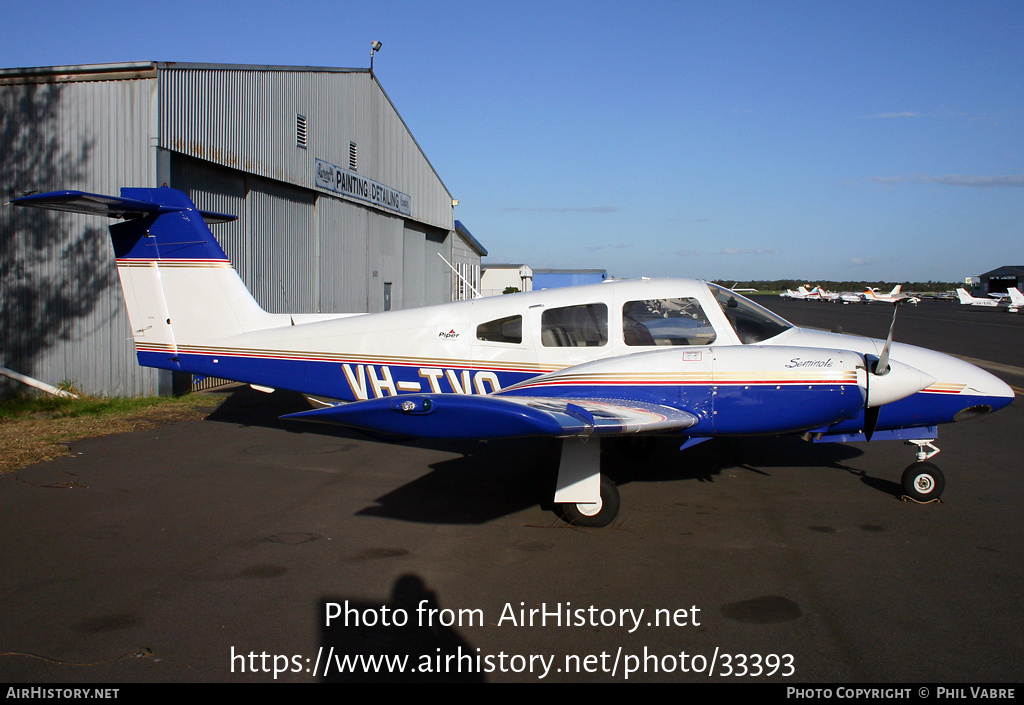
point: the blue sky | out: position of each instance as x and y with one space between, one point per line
815 140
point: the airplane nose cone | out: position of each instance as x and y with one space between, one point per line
900 381
984 384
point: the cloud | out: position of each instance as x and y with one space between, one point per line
1003 181
728 251
567 209
865 261
889 116
595 248
748 251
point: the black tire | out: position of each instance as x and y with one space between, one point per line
923 482
601 515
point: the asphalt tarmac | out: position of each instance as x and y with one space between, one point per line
243 548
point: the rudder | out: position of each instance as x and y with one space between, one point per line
179 286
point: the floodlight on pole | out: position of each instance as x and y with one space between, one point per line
374 48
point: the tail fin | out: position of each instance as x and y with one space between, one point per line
179 286
964 297
1016 297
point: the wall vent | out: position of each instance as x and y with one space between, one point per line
353 156
300 131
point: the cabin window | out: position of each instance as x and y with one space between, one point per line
502 330
581 326
666 322
751 322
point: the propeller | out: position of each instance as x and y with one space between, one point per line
878 369
882 366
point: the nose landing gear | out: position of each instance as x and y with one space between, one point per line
922 481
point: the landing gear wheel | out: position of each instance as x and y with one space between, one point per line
923 482
600 514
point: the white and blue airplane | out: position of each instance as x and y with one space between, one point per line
678 357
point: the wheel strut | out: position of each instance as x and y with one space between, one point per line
922 454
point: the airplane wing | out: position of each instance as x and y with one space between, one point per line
461 416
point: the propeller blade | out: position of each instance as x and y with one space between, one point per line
870 420
882 366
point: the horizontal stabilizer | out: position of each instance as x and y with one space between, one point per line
459 416
109 206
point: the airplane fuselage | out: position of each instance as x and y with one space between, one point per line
486 346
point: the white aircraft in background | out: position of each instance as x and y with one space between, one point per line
801 293
1014 304
873 295
819 294
682 358
1016 299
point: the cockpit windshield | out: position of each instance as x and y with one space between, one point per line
752 323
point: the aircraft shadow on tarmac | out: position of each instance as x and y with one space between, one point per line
499 478
496 478
397 632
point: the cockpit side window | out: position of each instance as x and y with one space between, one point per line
574 326
752 323
666 322
501 330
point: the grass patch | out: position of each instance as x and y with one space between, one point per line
34 428
48 406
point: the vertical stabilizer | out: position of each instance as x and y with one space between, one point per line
179 286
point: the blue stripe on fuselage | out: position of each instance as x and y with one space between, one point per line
337 380
922 409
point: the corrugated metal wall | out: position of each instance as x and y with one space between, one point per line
344 253
282 226
246 119
228 137
300 252
317 251
62 316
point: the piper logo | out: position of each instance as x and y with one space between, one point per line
449 335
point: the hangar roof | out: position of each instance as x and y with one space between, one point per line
468 237
1006 270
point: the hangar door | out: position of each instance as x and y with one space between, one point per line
426 279
273 244
282 227
1000 285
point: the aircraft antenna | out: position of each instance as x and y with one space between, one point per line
287 303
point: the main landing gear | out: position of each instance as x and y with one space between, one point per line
922 481
594 514
583 497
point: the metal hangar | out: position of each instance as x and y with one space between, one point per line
339 208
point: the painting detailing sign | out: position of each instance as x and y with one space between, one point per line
349 183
